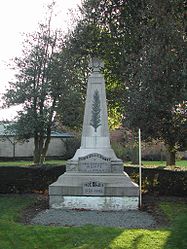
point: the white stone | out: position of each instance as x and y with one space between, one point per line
96 203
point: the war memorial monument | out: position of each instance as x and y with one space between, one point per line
94 178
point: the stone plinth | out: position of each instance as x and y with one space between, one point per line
112 185
95 203
104 188
94 177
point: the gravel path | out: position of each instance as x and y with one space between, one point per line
126 219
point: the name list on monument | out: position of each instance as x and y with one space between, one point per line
93 188
94 163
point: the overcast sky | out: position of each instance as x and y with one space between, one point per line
22 16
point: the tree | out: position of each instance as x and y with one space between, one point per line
158 80
88 39
70 107
37 87
147 63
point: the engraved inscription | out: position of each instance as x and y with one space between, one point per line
93 188
95 163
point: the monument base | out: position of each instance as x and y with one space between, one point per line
94 203
104 191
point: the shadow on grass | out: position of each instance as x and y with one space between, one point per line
136 242
178 235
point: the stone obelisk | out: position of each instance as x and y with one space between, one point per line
95 134
94 177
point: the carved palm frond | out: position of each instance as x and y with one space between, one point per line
95 121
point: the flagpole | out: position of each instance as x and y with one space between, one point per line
140 169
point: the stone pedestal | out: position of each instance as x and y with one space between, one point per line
94 177
94 191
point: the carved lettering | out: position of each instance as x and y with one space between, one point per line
94 163
93 188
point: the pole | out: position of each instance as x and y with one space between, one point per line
140 169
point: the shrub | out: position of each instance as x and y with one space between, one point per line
72 145
120 151
154 156
126 152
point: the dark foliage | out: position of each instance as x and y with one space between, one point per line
144 47
38 179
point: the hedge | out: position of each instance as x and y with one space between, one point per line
160 181
37 179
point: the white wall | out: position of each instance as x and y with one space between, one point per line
56 148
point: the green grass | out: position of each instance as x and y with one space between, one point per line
179 163
30 163
18 236
173 210
177 215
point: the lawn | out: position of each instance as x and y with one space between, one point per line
179 163
16 235
30 163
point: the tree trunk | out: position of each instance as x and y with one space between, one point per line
37 153
44 151
40 145
48 135
46 145
171 156
36 156
14 151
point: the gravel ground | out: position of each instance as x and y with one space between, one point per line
126 219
